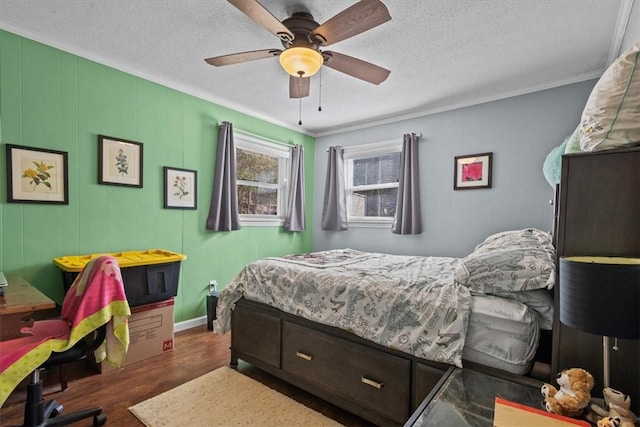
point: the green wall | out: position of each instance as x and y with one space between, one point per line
52 99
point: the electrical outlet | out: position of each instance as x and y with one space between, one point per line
213 285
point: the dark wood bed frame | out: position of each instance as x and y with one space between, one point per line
385 386
377 383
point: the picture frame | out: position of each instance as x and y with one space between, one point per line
120 162
37 175
180 188
472 171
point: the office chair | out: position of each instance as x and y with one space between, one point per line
95 305
36 412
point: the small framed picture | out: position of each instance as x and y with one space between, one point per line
37 175
119 162
472 171
180 188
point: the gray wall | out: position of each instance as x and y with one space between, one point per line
520 131
632 32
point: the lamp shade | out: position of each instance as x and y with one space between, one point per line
601 295
301 61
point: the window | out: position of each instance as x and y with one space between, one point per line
372 174
261 177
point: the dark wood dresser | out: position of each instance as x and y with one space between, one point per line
599 214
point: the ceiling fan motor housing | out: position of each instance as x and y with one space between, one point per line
301 56
300 24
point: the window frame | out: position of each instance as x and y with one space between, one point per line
363 151
272 149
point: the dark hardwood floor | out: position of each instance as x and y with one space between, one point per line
196 352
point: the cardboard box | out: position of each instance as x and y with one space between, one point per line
150 332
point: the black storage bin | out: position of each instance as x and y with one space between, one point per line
153 277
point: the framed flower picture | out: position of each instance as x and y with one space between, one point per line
472 171
180 188
119 162
37 175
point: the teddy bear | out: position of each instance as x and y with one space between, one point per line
618 413
574 394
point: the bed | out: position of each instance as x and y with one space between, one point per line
423 314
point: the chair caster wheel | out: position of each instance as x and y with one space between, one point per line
56 411
100 419
52 409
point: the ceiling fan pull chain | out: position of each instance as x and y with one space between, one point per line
320 91
300 99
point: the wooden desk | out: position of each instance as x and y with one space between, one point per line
19 300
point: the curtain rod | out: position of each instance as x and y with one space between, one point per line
247 133
350 147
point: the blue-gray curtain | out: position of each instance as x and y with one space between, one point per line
407 219
294 219
223 212
334 209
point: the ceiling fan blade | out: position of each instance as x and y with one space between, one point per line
360 17
236 58
262 16
355 67
299 87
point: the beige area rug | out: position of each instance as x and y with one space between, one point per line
225 397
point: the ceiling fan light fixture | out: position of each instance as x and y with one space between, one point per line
301 61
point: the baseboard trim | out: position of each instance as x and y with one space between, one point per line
188 324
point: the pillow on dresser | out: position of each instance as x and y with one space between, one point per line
611 117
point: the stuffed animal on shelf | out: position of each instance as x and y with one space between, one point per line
574 394
615 411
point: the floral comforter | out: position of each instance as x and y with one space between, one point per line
410 303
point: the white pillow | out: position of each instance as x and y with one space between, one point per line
507 270
513 239
611 118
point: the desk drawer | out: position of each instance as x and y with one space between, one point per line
372 379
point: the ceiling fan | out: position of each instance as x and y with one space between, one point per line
302 37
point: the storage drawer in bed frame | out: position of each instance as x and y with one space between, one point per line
379 384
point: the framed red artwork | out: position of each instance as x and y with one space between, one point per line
472 171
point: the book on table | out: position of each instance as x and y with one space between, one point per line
512 414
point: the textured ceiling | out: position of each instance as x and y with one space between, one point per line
442 54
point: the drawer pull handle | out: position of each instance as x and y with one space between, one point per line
372 383
304 356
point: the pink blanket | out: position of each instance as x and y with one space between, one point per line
96 298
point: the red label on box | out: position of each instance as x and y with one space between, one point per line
153 306
167 345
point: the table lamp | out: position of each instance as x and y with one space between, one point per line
601 295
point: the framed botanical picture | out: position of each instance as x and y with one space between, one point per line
37 175
472 171
119 162
180 188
